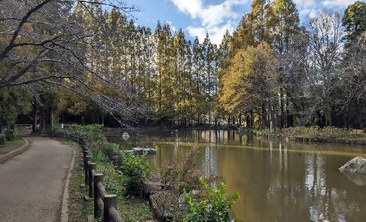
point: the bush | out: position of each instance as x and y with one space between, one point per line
57 129
316 131
95 137
210 204
135 172
246 130
2 140
11 134
180 174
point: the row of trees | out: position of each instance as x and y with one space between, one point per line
278 74
48 62
75 57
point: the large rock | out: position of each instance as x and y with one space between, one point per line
358 179
356 165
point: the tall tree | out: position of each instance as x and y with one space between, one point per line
354 20
250 86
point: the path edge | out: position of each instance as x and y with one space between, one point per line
65 196
15 153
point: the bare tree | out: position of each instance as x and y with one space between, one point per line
44 42
312 67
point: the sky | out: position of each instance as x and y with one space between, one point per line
198 17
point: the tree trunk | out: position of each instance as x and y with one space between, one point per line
282 109
34 122
2 129
51 118
42 121
264 114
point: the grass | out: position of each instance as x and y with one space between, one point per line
131 209
12 145
78 208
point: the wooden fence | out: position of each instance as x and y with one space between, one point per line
105 205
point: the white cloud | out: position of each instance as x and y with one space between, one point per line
200 32
172 27
306 7
215 19
191 7
309 8
337 3
216 32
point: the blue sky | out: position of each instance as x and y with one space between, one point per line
197 17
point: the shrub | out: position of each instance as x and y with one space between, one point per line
11 134
2 140
57 129
180 175
246 130
210 204
95 137
135 172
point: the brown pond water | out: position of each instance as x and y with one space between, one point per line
277 180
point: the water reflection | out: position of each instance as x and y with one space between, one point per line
277 181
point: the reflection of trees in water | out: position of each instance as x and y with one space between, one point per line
274 184
291 187
209 162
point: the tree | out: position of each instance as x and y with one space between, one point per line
284 25
354 20
325 50
249 86
38 34
13 102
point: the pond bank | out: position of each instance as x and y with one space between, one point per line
313 134
303 139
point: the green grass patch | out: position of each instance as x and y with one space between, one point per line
130 208
133 209
18 142
78 208
12 145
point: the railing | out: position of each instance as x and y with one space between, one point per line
105 205
24 126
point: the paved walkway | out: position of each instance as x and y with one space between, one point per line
32 184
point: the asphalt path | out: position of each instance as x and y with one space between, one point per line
32 184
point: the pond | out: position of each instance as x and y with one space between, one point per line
277 180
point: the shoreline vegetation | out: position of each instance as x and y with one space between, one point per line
175 192
312 134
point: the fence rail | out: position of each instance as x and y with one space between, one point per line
105 205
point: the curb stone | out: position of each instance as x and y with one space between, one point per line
65 196
15 153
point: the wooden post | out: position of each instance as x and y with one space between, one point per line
92 166
85 153
98 178
110 201
87 159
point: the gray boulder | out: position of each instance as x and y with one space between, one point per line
358 179
356 165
